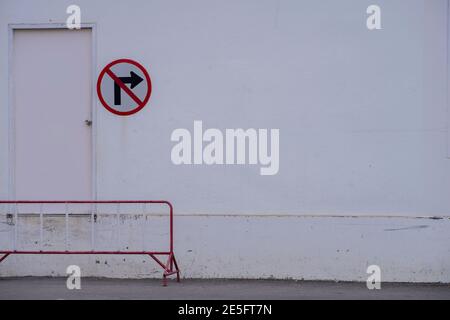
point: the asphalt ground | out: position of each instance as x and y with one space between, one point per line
150 289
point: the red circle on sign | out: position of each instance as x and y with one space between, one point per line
140 104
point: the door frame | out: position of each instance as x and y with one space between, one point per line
448 79
11 110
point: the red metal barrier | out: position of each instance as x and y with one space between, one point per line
170 267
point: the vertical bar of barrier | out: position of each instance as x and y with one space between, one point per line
67 225
118 226
143 225
171 236
92 227
41 223
171 226
16 226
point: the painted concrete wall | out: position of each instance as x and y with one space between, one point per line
217 246
363 133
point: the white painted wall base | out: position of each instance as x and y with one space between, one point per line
310 248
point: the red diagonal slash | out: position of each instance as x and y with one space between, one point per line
124 87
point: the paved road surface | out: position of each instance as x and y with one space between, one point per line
55 288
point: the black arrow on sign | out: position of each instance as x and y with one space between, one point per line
133 80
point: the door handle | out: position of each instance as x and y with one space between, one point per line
88 122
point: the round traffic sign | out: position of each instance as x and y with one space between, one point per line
124 87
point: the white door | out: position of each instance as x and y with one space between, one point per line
52 90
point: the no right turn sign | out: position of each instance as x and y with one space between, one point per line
124 87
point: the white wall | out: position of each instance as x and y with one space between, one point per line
362 117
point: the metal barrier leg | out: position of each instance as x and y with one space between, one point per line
168 269
176 268
4 257
164 280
